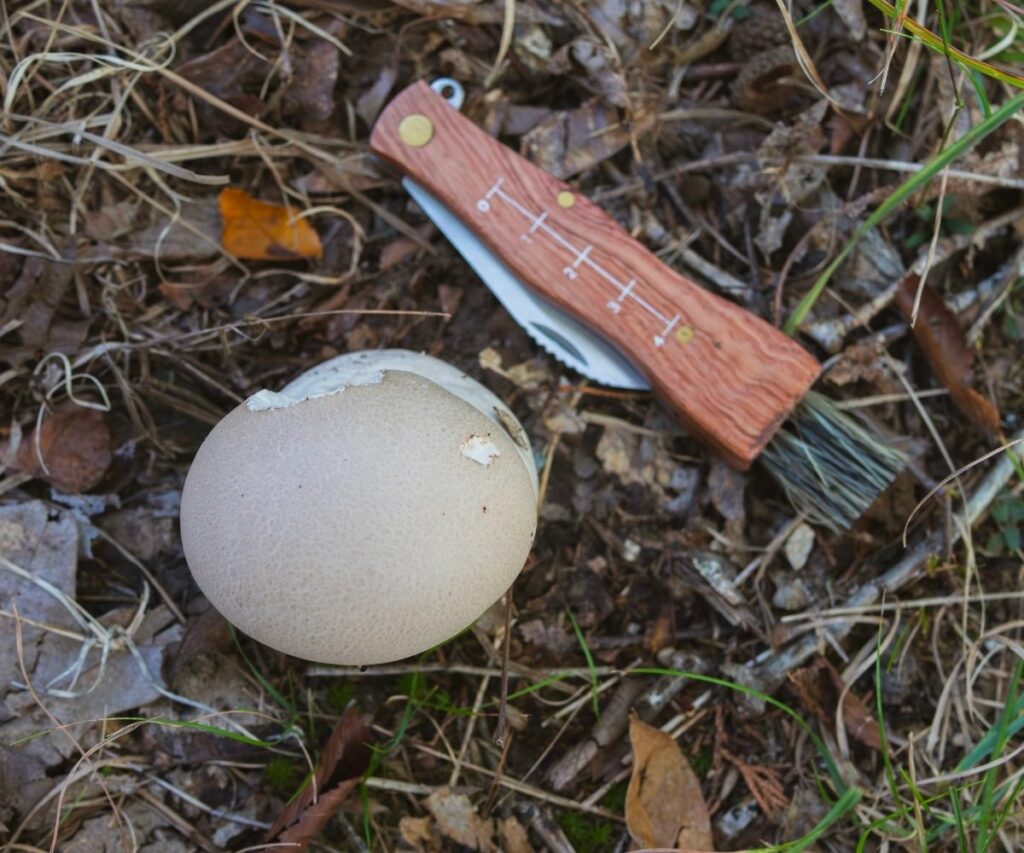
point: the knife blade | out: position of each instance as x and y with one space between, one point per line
558 333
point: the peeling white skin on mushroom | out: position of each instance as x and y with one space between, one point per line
480 449
303 388
367 367
264 400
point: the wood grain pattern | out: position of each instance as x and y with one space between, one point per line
730 377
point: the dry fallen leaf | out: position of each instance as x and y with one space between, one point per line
29 308
345 758
416 832
570 142
75 681
74 444
941 340
819 687
514 838
664 803
258 231
458 820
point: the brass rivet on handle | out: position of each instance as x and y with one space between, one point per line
416 130
566 199
684 334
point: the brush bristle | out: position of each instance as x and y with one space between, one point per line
831 467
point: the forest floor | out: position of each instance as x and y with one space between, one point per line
823 166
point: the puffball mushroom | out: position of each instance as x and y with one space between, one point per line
371 509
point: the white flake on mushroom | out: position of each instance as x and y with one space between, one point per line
480 449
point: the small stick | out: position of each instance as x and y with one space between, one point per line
501 729
772 672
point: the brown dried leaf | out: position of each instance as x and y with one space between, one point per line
310 91
345 757
234 73
416 831
191 235
570 142
314 817
112 220
819 687
664 803
601 70
941 340
514 838
457 819
74 443
32 302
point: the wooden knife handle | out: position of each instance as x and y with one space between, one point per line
730 377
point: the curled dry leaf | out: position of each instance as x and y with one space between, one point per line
74 444
941 340
345 757
769 81
258 231
664 803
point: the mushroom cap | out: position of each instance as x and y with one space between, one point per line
357 526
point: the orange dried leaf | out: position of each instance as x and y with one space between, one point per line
664 803
259 231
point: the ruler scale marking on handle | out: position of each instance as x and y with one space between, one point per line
582 256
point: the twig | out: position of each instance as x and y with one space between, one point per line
773 671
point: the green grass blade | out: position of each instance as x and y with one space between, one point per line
200 727
931 40
842 807
986 744
958 820
986 832
826 756
590 662
902 192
